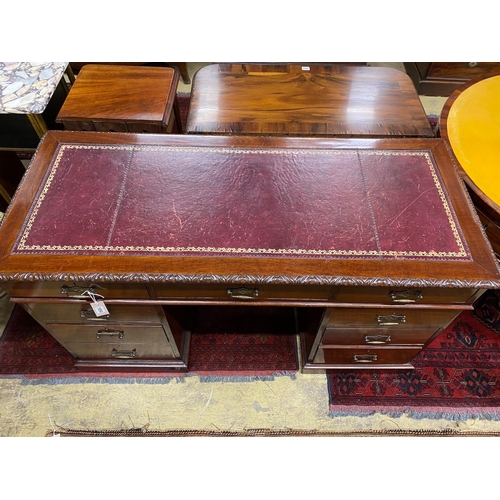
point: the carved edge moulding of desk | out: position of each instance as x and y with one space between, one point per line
372 244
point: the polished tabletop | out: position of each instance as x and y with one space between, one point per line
471 123
128 93
299 100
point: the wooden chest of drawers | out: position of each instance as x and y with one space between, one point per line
110 98
368 332
442 78
374 244
134 331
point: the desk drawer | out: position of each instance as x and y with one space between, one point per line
76 290
376 336
366 357
108 333
239 293
83 313
392 318
118 351
401 295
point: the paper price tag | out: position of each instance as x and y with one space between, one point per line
99 308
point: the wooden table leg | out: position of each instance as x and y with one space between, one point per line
71 75
11 173
183 70
38 124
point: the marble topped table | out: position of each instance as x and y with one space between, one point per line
26 91
27 87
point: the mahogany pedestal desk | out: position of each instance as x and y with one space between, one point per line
372 245
111 98
300 100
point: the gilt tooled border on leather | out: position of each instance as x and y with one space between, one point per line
461 254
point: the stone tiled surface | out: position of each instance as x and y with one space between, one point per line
26 87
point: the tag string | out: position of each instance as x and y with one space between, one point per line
92 295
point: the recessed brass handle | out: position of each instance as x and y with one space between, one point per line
106 332
405 296
390 320
80 292
377 339
365 358
243 293
124 354
89 315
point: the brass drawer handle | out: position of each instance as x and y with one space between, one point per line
391 320
243 293
106 332
365 358
80 292
89 315
377 339
405 296
124 354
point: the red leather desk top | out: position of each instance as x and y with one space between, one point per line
216 209
99 199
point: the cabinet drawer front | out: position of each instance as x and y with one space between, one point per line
117 351
143 128
110 126
238 293
392 318
85 126
83 313
376 336
401 295
492 229
77 290
366 357
104 334
461 70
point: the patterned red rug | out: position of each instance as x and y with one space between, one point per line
219 350
456 377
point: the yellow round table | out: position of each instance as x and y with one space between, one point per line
470 123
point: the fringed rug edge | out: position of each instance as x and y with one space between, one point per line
241 377
431 412
204 377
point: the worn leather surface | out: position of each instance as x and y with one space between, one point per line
220 201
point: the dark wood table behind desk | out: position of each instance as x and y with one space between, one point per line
296 100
